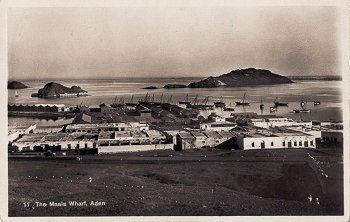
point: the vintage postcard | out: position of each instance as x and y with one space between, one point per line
170 110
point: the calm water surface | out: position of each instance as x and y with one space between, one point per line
106 91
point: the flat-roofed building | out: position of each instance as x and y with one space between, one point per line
99 127
217 126
278 122
14 132
263 139
56 141
132 141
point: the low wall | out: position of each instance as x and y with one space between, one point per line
133 148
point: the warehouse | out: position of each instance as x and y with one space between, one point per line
99 127
37 107
204 139
263 139
278 122
56 141
15 132
132 141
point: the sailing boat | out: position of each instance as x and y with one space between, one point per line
186 101
16 94
131 102
316 103
261 104
277 103
243 102
145 100
273 109
220 103
192 105
302 107
229 108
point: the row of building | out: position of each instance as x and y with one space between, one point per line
263 133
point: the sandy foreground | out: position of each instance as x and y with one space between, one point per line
187 183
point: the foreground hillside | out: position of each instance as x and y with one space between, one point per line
271 182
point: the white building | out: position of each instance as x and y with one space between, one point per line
14 132
59 141
132 141
278 122
262 139
100 127
217 126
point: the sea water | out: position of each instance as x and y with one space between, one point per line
110 90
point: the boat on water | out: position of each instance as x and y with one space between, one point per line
131 102
302 107
279 103
202 106
273 109
220 104
186 101
316 103
146 100
301 111
243 102
116 104
302 102
261 104
229 108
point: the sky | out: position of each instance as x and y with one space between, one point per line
85 43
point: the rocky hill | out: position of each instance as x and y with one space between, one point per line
53 89
16 85
242 77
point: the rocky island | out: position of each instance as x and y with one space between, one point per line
174 86
54 90
150 87
242 77
16 85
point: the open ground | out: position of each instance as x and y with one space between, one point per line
187 183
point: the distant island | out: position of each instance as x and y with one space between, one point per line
16 85
53 90
150 87
242 77
173 86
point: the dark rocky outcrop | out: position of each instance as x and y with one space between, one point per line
242 77
173 86
150 87
16 85
53 89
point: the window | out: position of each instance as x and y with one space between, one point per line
252 144
295 143
283 143
312 142
271 143
203 141
300 143
217 141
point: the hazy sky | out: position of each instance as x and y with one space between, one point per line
160 41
